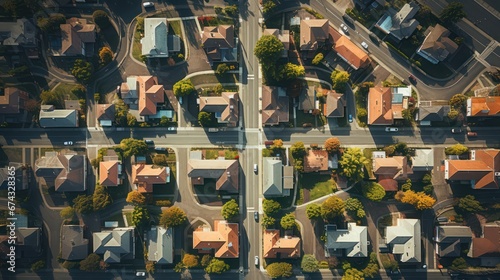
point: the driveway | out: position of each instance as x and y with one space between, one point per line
197 59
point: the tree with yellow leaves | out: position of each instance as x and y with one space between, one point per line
419 200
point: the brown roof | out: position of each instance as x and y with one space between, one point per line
150 94
437 44
313 32
144 176
481 169
66 172
282 35
316 160
274 106
12 100
335 104
225 171
380 106
287 247
75 33
217 37
223 239
105 112
108 173
393 167
351 53
484 106
489 244
226 104
388 183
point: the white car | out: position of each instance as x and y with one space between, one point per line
391 129
68 143
140 273
364 45
344 28
256 260
171 128
148 4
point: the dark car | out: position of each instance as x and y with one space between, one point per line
412 79
456 130
256 216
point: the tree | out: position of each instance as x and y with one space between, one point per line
80 91
277 144
458 101
453 114
164 121
204 119
91 263
407 115
419 200
82 70
105 55
469 204
298 150
371 270
101 19
268 50
140 216
231 10
268 221
136 198
458 264
52 23
160 160
456 149
279 269
309 263
289 71
340 79
268 6
230 209
190 261
183 88
352 274
205 260
406 186
36 266
427 178
352 163
83 204
50 98
354 206
332 207
373 191
101 199
317 59
172 217
313 211
67 212
453 12
270 206
221 69
332 145
216 266
288 221
131 120
131 147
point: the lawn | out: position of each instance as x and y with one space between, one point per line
367 152
175 28
214 21
213 79
318 186
137 46
64 91
128 216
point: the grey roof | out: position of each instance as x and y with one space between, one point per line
437 45
29 238
401 24
59 118
66 172
352 240
161 245
174 43
405 239
424 158
449 240
307 98
115 245
21 32
154 43
432 113
225 171
73 245
273 175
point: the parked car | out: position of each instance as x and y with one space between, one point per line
68 143
471 134
172 128
161 149
255 168
442 219
391 129
256 216
256 260
344 28
148 4
149 142
456 130
269 142
364 45
350 118
140 273
412 79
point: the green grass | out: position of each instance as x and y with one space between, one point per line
64 90
211 154
367 152
137 46
231 154
128 216
175 27
317 184
213 79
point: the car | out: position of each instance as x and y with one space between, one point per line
148 4
149 142
471 134
256 216
255 168
364 45
391 129
180 100
68 143
412 79
256 260
344 28
349 118
140 273
269 143
442 219
456 130
161 149
172 128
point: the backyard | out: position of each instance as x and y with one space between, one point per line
313 186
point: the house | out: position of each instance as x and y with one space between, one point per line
20 176
161 245
423 160
12 104
335 104
391 170
275 104
313 34
66 172
225 107
283 36
115 245
433 113
144 94
437 45
307 99
155 43
487 247
277 178
385 104
316 161
19 36
219 43
452 240
29 243
350 53
280 247
488 106
225 172
105 114
50 117
350 242
223 240
482 171
73 245
404 240
77 38
144 176
110 173
401 24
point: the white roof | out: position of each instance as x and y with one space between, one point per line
405 239
353 240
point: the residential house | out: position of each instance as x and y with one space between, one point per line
225 107
19 36
481 171
73 245
144 95
20 176
219 43
275 104
50 117
316 161
423 160
314 34
12 104
223 240
29 243
452 240
401 24
391 170
105 114
350 242
283 36
385 104
404 240
487 247
110 173
488 106
277 178
307 99
115 245
350 53
335 104
161 245
66 172
77 38
225 172
437 45
433 113
144 176
157 43
280 247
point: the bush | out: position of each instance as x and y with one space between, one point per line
309 263
70 265
163 203
36 266
373 191
183 88
101 19
221 69
317 59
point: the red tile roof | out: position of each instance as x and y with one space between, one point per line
150 94
380 106
287 247
481 170
224 239
144 176
489 244
108 173
483 106
354 55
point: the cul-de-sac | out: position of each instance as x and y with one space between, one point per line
249 139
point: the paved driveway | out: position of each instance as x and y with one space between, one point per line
197 59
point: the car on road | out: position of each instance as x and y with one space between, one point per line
442 219
149 142
68 143
344 28
391 129
364 45
256 260
456 130
471 134
350 118
140 273
161 149
255 168
269 143
172 128
256 216
148 4
412 79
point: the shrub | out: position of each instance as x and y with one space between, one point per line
101 19
317 59
373 191
163 203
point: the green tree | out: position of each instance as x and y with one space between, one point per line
205 260
136 198
101 198
373 191
80 91
230 209
67 213
101 19
456 149
352 164
470 204
36 266
172 217
406 186
183 88
140 216
458 264
371 270
453 12
427 178
453 114
298 150
268 6
52 23
332 145
332 207
270 206
288 221
164 121
91 263
458 101
216 266
317 59
340 79
190 261
231 10
105 55
309 263
289 71
354 206
82 70
51 98
160 160
352 274
279 269
131 147
131 120
407 115
268 50
204 119
221 69
313 211
83 204
268 221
